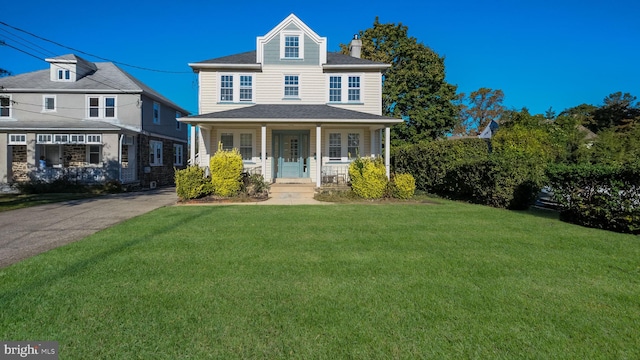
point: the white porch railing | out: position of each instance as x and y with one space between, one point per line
335 174
78 175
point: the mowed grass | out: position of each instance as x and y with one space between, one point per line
332 282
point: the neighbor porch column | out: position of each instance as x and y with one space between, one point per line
192 143
387 149
263 150
318 156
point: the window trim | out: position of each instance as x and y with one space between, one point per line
102 106
344 88
12 139
236 87
178 123
236 140
283 37
10 107
344 144
155 145
220 88
44 103
284 87
94 139
178 158
88 154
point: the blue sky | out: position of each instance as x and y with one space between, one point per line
540 53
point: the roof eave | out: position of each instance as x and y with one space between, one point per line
196 120
197 66
356 66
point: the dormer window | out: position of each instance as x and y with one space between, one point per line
292 45
64 74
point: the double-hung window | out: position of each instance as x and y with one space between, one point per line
155 153
227 141
352 85
94 153
5 106
292 46
64 74
246 146
49 103
335 89
226 88
246 88
177 154
102 107
344 145
238 139
291 86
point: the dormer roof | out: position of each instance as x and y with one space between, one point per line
291 22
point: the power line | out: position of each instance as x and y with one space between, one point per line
92 55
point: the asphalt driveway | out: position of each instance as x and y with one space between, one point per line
31 231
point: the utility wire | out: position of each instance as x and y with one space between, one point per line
92 55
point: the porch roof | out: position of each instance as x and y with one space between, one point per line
58 125
279 113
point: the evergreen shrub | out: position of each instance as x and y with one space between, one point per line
368 177
226 171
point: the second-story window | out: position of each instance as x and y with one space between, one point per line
102 107
246 88
226 88
335 89
354 88
291 86
109 107
5 106
156 113
49 103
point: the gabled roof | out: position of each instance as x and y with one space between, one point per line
86 65
289 21
107 78
242 60
293 113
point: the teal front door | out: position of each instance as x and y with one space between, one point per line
291 150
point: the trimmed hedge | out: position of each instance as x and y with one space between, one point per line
226 171
598 196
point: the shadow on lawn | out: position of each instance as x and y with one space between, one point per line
75 268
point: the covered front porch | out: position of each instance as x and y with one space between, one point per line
302 143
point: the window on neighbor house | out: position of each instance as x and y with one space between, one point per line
335 146
226 88
156 113
178 123
49 103
292 46
5 106
177 154
94 139
102 107
155 153
246 146
94 107
109 107
17 139
93 154
291 86
227 141
354 88
246 88
64 74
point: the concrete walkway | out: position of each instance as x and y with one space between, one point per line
31 231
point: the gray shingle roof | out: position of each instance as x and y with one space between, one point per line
106 77
293 112
249 57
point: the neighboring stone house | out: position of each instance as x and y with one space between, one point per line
296 112
88 123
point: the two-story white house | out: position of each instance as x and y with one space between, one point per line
295 111
88 123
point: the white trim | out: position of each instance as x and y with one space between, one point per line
95 139
197 66
44 139
356 67
344 143
236 140
154 146
235 88
10 106
284 85
291 33
291 19
344 88
102 107
178 150
44 103
17 139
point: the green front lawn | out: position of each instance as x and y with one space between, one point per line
332 282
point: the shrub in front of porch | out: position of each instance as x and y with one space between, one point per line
191 183
226 171
368 177
403 186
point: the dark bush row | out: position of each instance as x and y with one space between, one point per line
598 196
466 170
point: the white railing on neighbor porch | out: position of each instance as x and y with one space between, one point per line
78 175
127 175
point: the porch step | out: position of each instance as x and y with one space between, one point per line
293 181
308 188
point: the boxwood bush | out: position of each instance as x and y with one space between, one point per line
226 171
191 183
368 177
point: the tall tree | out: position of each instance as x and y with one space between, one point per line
414 88
484 106
620 111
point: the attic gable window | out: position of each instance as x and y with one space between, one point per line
292 45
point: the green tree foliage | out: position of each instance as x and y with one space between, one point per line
414 88
484 105
620 111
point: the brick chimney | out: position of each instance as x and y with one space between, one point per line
355 48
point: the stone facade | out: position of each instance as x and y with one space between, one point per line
162 175
19 167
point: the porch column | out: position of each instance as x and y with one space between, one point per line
318 156
263 150
373 142
192 147
5 160
387 150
